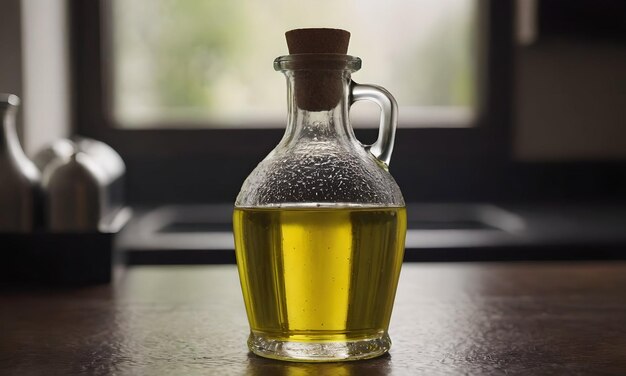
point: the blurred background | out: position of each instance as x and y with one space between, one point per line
208 64
512 129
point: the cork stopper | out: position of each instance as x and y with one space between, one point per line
318 89
317 41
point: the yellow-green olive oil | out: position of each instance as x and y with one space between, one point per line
319 274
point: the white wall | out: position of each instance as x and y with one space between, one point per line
46 95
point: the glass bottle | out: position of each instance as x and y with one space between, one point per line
20 193
320 223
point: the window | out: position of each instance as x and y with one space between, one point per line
181 63
455 110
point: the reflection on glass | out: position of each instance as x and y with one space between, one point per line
374 367
209 63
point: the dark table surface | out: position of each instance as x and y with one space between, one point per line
463 318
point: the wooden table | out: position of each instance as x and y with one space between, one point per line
471 318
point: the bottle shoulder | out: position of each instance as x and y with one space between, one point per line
323 173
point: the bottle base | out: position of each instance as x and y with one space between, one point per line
335 351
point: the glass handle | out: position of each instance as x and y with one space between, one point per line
383 146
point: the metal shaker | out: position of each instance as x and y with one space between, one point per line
74 194
83 180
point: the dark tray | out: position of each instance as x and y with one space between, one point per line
61 258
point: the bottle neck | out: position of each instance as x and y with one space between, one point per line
318 106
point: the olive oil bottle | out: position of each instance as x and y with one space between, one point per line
320 223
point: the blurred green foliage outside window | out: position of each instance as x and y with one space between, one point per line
208 63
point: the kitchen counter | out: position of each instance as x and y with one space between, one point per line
460 318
